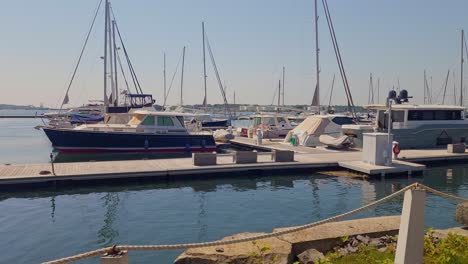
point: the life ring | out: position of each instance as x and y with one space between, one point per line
396 149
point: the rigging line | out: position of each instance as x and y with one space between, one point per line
331 91
123 73
335 50
81 54
172 80
332 30
226 105
445 88
129 63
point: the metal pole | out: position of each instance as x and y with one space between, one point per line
115 64
182 78
284 69
389 125
425 82
164 76
205 101
461 67
106 103
279 95
317 56
111 60
378 90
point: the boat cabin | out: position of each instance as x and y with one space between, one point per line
407 116
143 121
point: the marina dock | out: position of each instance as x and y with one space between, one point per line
175 169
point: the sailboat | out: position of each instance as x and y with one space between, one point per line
145 131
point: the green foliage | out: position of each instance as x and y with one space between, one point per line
344 239
261 252
453 250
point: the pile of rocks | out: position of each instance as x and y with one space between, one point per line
349 246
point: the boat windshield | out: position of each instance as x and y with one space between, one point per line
136 119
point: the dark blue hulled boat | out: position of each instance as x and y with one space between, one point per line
146 132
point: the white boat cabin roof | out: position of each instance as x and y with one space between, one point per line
156 113
415 107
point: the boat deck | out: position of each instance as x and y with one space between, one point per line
173 169
277 144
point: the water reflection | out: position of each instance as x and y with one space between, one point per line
108 232
200 210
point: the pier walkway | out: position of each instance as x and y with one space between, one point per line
172 169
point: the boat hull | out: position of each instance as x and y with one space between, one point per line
215 123
79 141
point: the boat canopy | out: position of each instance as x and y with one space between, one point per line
139 100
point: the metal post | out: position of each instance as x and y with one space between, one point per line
410 246
52 163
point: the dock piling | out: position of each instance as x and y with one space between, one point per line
410 246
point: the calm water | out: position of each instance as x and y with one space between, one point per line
38 226
42 225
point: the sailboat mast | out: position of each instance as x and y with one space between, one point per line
111 57
114 46
205 102
317 87
425 82
106 102
182 77
461 67
164 76
284 69
279 95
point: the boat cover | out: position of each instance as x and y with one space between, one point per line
337 143
85 119
311 126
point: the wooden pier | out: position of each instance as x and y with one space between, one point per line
174 169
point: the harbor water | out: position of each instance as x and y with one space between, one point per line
45 224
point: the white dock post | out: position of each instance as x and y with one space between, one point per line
121 257
410 245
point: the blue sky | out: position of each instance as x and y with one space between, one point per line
251 41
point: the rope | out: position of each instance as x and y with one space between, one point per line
259 237
445 195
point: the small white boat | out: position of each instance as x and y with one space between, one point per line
272 126
309 131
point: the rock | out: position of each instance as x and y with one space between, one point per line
351 249
375 242
279 252
310 256
363 239
355 243
382 249
342 251
461 214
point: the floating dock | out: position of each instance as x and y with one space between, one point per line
398 167
175 169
